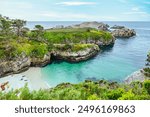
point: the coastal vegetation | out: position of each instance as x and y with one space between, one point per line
15 38
88 90
147 68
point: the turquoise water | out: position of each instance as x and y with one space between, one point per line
112 63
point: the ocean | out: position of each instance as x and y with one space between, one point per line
114 63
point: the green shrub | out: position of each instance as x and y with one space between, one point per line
83 91
147 86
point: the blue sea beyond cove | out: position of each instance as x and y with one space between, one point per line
113 63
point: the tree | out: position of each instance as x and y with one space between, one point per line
39 31
39 28
5 25
18 25
24 31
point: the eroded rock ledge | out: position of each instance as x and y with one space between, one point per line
78 56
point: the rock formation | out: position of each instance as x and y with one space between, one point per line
96 25
78 56
21 63
123 33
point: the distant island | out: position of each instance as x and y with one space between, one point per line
22 48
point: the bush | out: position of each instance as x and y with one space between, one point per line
83 91
147 86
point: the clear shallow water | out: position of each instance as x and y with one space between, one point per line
113 63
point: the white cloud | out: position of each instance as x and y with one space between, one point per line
134 12
57 15
147 2
135 9
16 5
76 3
75 17
123 1
137 13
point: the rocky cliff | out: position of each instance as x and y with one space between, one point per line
21 63
78 56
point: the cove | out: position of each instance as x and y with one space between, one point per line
113 63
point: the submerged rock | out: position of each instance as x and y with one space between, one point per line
123 33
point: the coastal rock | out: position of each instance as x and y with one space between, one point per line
22 63
14 66
41 62
136 76
97 25
117 27
123 33
81 55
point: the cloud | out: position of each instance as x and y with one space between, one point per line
147 2
123 1
16 5
75 17
65 16
135 12
76 3
135 9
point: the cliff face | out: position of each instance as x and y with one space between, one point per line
21 63
14 66
41 62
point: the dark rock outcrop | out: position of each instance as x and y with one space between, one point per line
123 33
117 27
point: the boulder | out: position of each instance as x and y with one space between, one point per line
123 33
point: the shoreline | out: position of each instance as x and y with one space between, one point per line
32 77
135 76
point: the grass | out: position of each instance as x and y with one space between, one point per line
76 35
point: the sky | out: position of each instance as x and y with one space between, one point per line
76 10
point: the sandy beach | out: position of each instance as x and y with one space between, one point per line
32 77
